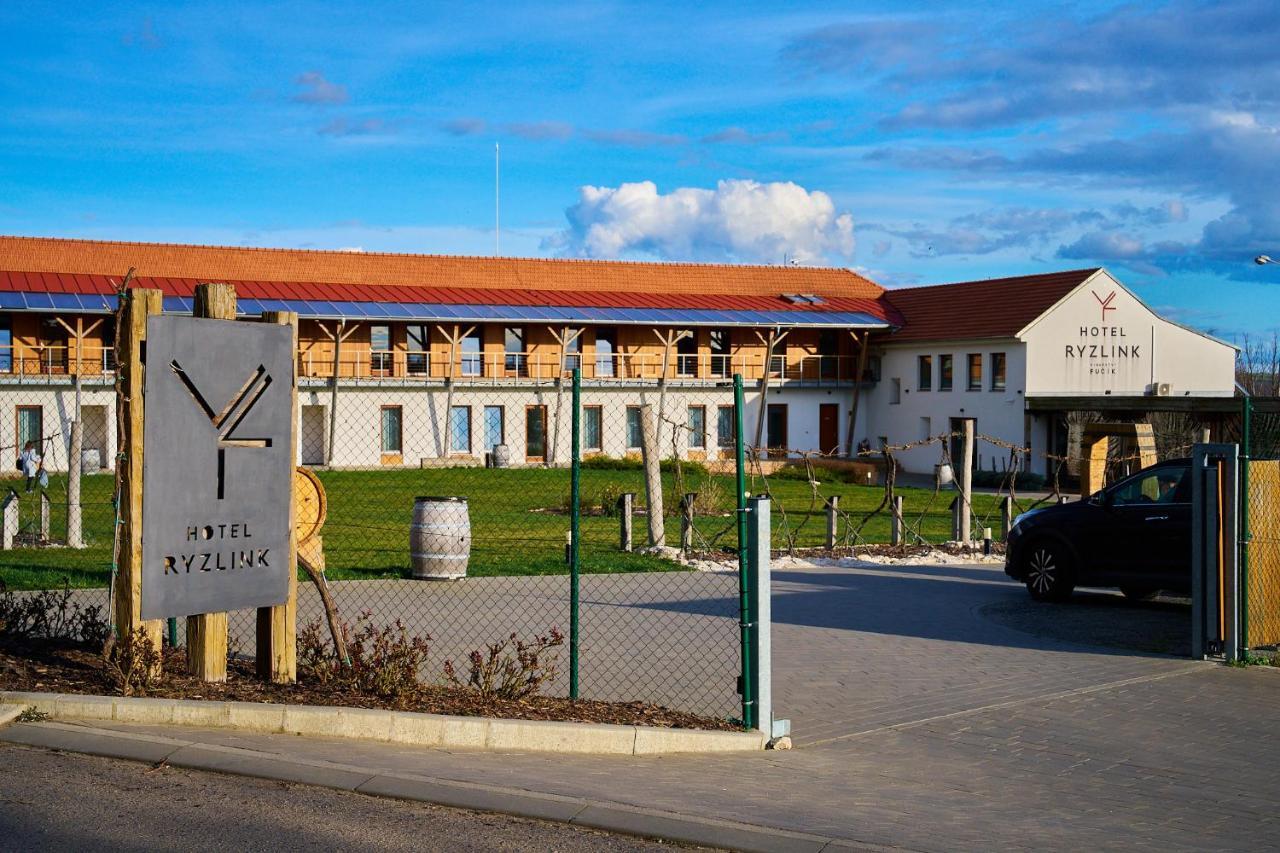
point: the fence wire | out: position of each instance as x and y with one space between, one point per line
1262 529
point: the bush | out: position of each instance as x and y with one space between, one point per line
607 499
133 664
612 463
793 472
511 669
383 661
51 615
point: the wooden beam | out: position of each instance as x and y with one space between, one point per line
277 646
127 590
207 632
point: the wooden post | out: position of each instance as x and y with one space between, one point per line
1006 517
764 385
564 338
277 635
966 481
895 534
626 505
127 606
8 520
833 520
857 388
339 334
207 632
455 343
652 475
686 521
75 526
44 516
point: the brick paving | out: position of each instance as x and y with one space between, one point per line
925 721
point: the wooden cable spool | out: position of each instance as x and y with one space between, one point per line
311 507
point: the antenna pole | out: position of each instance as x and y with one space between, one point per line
497 208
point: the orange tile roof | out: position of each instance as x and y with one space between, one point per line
233 263
973 310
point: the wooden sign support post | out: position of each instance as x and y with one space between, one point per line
127 589
207 632
277 647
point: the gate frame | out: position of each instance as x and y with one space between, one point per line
1216 577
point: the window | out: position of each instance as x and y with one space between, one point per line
997 371
635 432
513 350
975 371
944 373
720 357
697 427
606 347
380 350
592 429
924 370
687 355
926 429
392 438
535 432
895 391
31 427
6 346
725 424
472 359
418 344
1161 486
460 429
495 427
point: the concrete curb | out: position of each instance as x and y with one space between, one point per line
403 727
10 713
576 811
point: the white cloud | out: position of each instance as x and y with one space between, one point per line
739 220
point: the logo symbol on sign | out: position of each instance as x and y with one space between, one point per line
229 418
1105 303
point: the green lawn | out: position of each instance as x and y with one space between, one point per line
367 532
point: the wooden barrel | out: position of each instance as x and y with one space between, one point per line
440 538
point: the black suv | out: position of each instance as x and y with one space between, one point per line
1135 535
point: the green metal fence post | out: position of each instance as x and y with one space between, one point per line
575 524
1246 437
745 623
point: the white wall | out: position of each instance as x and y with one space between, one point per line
998 413
1078 348
57 403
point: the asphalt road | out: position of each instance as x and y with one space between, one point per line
58 801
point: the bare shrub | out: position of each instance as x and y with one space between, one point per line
133 663
385 661
511 669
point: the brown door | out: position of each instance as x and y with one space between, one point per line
828 428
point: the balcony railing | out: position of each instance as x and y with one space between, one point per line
507 367
24 361
488 367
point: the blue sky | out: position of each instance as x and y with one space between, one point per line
917 143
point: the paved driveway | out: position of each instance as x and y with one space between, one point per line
937 709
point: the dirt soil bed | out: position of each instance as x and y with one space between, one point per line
64 668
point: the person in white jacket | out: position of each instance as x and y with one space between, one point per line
31 462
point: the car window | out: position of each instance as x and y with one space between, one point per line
1161 486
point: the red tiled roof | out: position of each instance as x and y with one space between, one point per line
972 310
388 272
29 282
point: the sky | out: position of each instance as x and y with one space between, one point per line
915 143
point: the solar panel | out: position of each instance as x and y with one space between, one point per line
66 302
39 300
8 299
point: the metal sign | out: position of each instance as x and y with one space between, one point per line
217 471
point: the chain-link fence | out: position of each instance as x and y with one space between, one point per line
1260 523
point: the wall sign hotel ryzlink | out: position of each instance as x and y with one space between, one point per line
217 474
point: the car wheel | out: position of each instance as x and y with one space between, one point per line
1139 593
1050 576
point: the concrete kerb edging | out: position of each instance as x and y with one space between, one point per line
402 727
